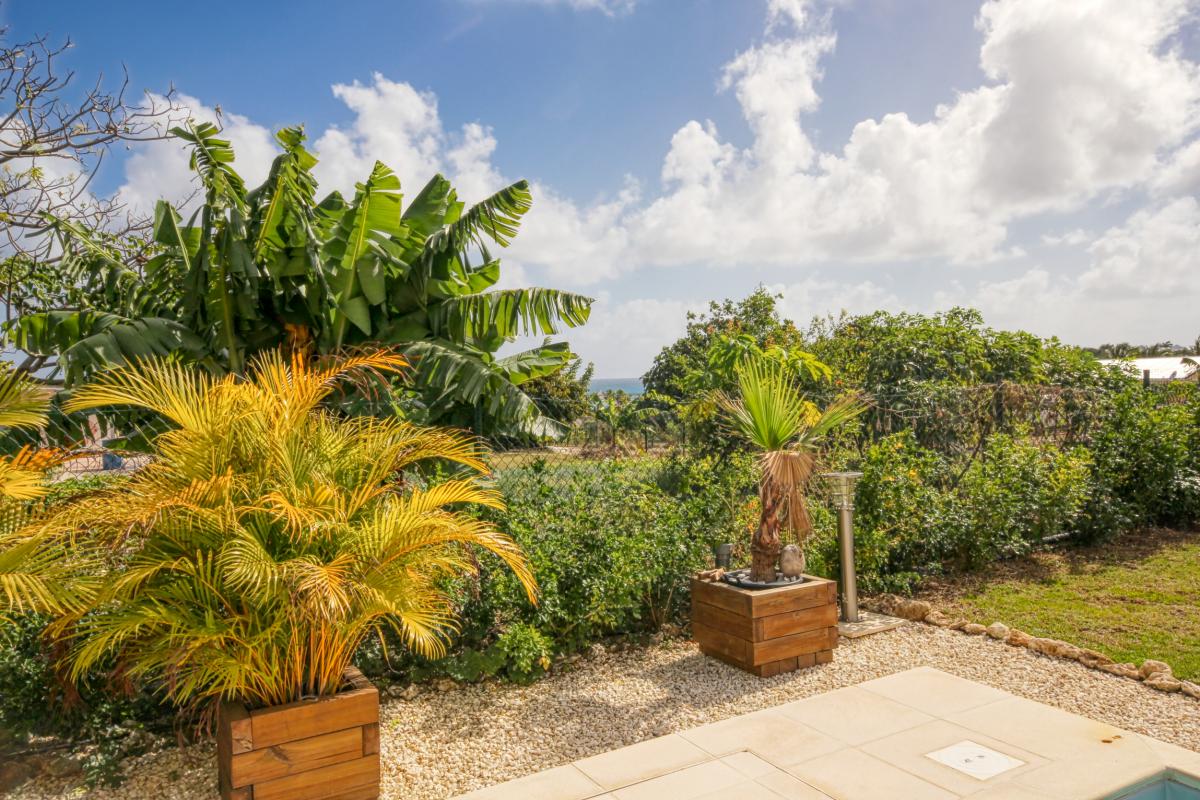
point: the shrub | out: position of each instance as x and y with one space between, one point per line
918 513
612 545
36 700
1017 494
1146 468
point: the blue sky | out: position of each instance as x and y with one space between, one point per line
1034 158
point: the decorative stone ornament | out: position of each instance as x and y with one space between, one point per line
791 561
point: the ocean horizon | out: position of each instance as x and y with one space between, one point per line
627 385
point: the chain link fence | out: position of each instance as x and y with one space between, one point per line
955 420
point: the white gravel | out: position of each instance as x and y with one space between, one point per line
443 743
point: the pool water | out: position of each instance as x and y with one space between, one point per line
1169 787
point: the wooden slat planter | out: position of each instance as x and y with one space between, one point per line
767 631
325 749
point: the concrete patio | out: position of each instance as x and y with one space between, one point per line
922 734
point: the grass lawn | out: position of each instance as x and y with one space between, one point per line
1133 598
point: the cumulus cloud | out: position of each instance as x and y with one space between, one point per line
1156 253
159 170
1083 103
622 337
1137 282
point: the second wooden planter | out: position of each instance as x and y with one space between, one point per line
323 749
766 631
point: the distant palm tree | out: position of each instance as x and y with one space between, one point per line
617 415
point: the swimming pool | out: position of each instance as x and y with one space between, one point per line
1171 786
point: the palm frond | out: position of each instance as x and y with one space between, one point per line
270 536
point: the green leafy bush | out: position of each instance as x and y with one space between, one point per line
1146 463
35 700
613 545
1016 495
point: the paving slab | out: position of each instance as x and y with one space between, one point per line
922 734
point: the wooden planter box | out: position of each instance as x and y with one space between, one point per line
326 749
767 631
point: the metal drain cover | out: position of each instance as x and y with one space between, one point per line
975 760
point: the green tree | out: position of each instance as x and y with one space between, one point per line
756 316
562 395
254 270
616 416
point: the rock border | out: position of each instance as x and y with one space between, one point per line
1155 674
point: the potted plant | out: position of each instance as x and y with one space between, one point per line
267 538
776 419
768 624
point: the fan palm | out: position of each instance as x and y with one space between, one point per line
774 417
270 536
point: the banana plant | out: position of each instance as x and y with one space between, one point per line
251 270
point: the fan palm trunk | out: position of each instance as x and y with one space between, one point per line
765 545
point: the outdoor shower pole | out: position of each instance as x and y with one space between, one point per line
843 495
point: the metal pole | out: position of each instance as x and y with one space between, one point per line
846 545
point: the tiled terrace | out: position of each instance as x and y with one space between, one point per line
917 735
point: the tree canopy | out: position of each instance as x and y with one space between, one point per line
250 270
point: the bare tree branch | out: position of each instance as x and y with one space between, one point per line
53 140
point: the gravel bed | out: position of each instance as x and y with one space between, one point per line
444 743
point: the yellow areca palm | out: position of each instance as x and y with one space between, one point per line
32 564
270 536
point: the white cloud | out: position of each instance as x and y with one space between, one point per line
1139 283
622 338
159 170
607 7
1084 99
1156 253
815 296
1084 102
1071 238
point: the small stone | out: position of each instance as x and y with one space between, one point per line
1092 658
62 767
1054 647
597 651
939 619
1190 689
1125 670
974 629
1151 667
395 691
887 603
445 685
1018 638
959 624
1163 682
997 630
914 610
411 692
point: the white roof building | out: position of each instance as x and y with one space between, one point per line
1162 369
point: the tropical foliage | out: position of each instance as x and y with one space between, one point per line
270 536
786 429
614 418
31 565
252 270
